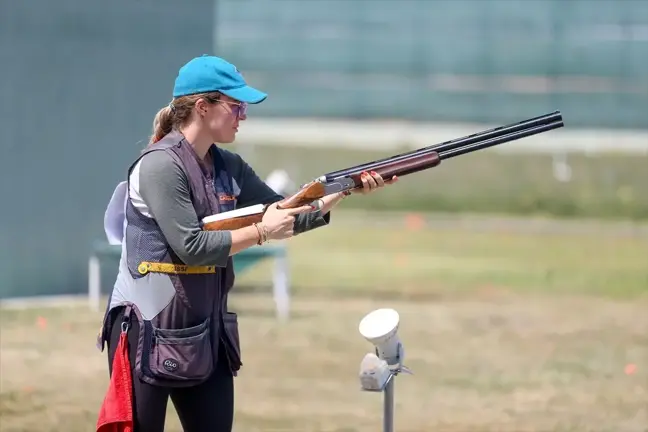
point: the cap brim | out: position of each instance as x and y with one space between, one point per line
246 94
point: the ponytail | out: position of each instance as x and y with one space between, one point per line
177 114
162 124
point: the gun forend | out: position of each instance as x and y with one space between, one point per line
306 195
403 167
410 165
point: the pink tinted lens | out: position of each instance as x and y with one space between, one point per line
242 109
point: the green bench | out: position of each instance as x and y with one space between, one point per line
243 261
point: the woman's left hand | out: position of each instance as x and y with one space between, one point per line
371 182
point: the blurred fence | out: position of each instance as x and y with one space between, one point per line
444 60
81 82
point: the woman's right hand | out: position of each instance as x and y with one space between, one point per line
280 222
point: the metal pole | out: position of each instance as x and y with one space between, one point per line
94 283
388 408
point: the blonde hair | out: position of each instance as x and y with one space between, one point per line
177 114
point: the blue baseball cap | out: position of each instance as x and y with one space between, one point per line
210 74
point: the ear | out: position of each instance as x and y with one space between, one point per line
201 107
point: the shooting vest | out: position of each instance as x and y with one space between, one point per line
182 311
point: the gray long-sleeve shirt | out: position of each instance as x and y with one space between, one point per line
164 188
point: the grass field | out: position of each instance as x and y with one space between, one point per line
508 326
418 256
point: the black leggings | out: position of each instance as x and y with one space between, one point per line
205 407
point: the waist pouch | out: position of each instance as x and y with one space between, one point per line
175 357
181 357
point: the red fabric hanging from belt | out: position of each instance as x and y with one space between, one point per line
116 413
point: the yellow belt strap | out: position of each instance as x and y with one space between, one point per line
146 267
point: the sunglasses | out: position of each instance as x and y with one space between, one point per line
238 108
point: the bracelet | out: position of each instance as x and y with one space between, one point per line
260 232
263 233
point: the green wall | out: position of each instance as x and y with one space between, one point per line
80 84
382 58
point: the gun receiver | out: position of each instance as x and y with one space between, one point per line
399 165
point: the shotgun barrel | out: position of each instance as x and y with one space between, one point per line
420 161
457 143
469 148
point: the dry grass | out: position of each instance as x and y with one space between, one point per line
508 326
506 363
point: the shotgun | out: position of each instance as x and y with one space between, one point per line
398 165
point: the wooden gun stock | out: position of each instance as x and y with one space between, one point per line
306 195
233 223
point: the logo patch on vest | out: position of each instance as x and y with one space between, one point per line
170 365
226 197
